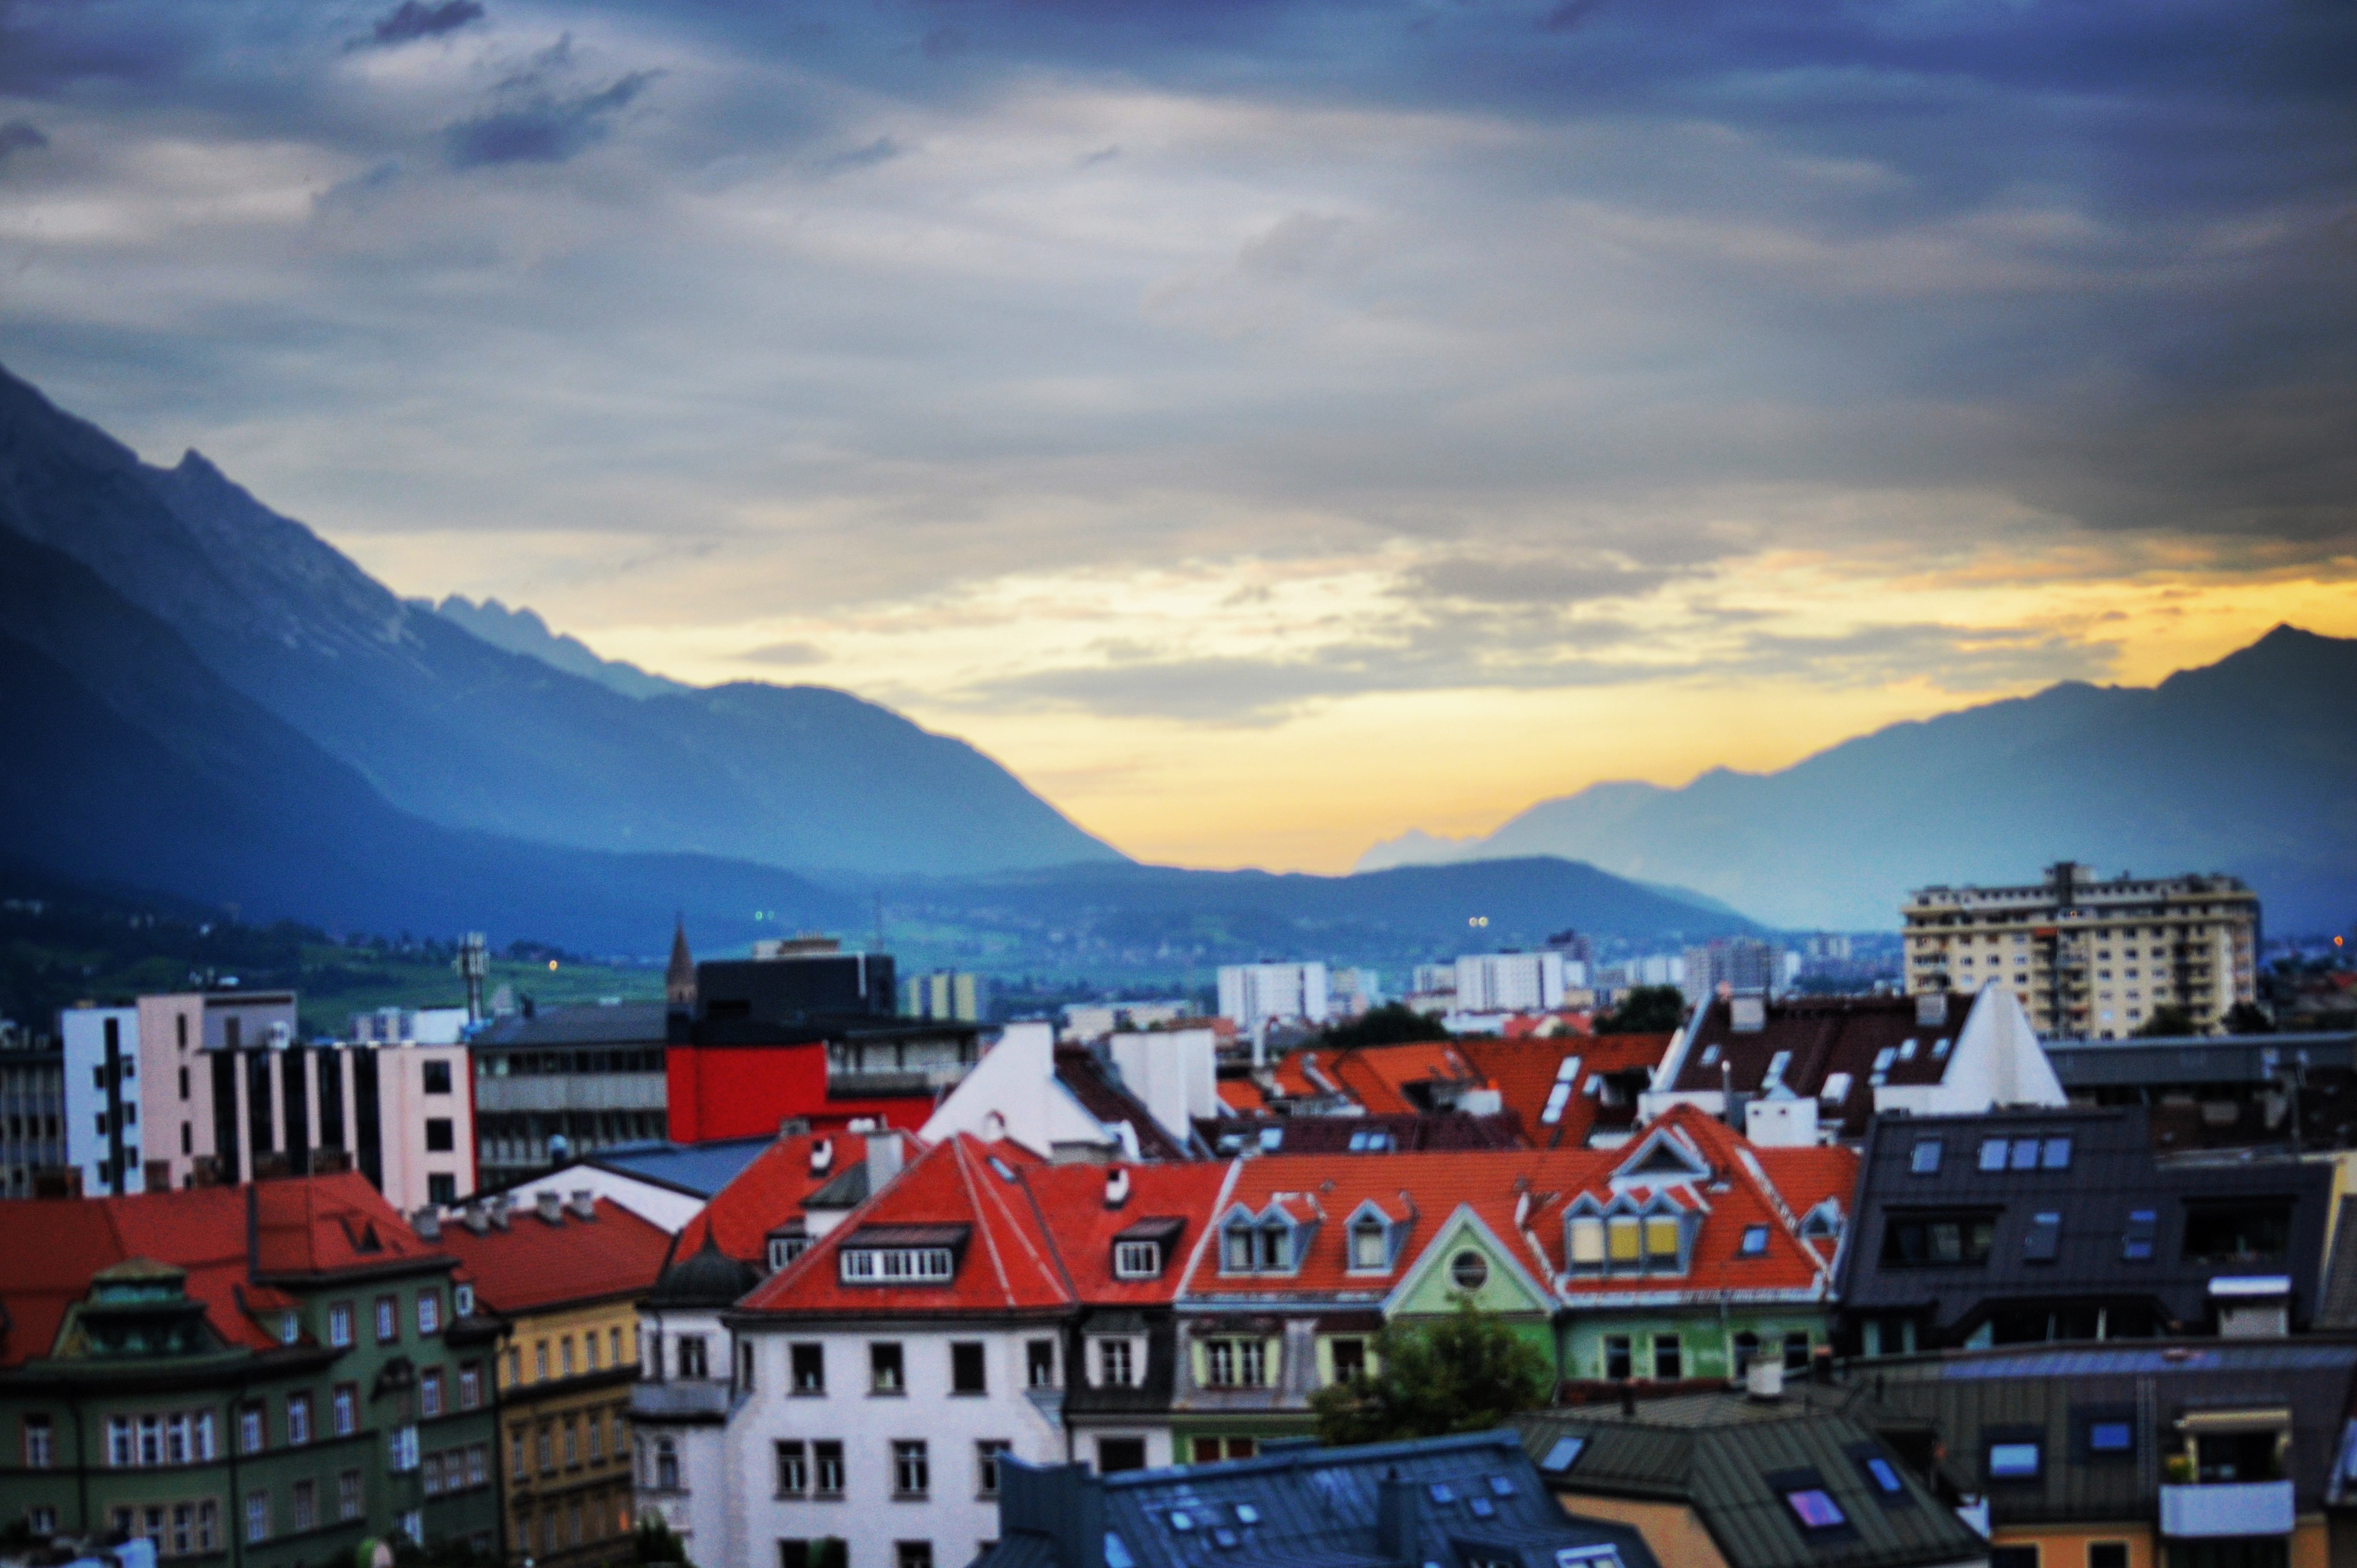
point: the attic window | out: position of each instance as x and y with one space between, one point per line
1370 1243
1373 1141
2013 1462
1270 1138
1925 1158
1774 1076
784 1250
2137 1241
1136 1259
1882 1060
1883 1474
1837 1089
1563 1456
896 1265
1558 1098
2044 1242
1906 1049
1754 1241
1468 1271
1710 1056
1940 1049
1815 1508
2054 1155
1568 1070
1992 1154
1587 1243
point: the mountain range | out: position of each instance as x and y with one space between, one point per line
203 698
2247 766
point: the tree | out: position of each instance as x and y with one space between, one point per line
1469 1372
652 1542
2246 1018
1393 1024
2167 1020
1646 1010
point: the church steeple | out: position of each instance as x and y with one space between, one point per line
679 980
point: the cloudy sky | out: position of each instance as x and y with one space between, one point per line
1265 426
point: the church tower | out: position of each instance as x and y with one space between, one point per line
679 980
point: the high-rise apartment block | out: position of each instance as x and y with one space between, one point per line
2091 959
1257 994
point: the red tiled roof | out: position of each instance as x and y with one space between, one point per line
768 1192
1378 1077
1544 1025
1524 1073
1243 1096
1071 1198
533 1263
300 1227
1007 1265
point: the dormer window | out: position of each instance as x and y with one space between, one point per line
1136 1259
1587 1243
1236 1249
1370 1243
1624 1245
784 1250
901 1254
1275 1245
1662 1242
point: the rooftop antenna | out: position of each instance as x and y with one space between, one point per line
473 964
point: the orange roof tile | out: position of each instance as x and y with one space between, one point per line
767 1192
1525 1071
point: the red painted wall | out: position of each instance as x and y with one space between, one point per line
744 1091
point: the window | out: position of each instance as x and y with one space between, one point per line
1563 1456
809 1362
340 1324
692 1362
1815 1508
2137 1241
1796 1351
885 1374
896 1265
437 1077
440 1138
429 1392
985 1465
1746 1346
2054 1155
2013 1462
307 1506
40 1443
252 1429
747 1361
1662 1242
388 1320
1039 1363
1136 1259
2238 1233
257 1516
471 1385
1115 1455
912 1475
1624 1245
913 1554
1617 1358
1587 1243
345 1407
2042 1243
1668 1362
2024 1155
1882 1474
1115 1370
2013 1557
1275 1246
2108 1554
1370 1243
1468 1271
1350 1358
667 1472
1236 1250
1925 1158
298 1418
794 1469
564 1355
827 1469
1754 1243
1993 1153
1927 1240
2111 1437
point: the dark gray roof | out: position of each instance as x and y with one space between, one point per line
698 1169
2337 1304
1825 1035
708 1278
2049 1394
1733 1460
1307 1505
2201 1059
2111 1173
624 1023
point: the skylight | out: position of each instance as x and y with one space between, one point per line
1270 1137
1924 1159
2013 1461
1883 1475
1567 1070
1754 1241
1817 1508
1563 1454
2137 1241
1836 1087
1117 1553
2111 1437
1710 1056
1247 1514
1558 1097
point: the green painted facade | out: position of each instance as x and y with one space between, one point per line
141 1418
1706 1342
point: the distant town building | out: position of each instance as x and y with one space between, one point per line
562 1083
404 1027
1511 982
1736 964
2091 959
207 1088
1351 991
32 1110
1089 1021
1257 994
958 994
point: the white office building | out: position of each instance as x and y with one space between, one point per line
1256 993
1509 982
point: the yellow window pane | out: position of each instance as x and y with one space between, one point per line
1624 1240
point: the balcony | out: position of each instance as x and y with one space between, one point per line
2226 1508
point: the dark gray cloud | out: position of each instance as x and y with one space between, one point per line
19 136
412 20
1506 580
541 127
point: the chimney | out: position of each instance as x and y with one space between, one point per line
822 1156
1117 1186
1395 1518
885 1155
550 1204
1820 1364
479 1216
499 1207
427 1223
1628 1399
1932 1009
794 1127
584 1204
1764 1379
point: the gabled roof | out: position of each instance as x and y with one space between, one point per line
232 1240
1733 1460
1524 1073
1387 1080
534 1264
1103 1097
1009 1264
770 1190
1824 1036
1082 1230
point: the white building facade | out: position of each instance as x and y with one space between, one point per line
1252 995
1509 982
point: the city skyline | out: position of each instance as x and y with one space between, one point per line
1266 430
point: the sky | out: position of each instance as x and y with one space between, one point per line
1265 427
